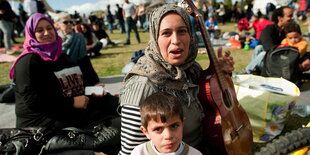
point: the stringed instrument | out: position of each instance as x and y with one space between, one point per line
218 89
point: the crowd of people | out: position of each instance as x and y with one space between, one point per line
158 110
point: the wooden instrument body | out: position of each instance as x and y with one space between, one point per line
236 128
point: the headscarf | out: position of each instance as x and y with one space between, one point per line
153 66
47 51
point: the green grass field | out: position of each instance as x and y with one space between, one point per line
113 59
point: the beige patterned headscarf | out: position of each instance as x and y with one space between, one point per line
153 66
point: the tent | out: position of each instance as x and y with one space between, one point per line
261 4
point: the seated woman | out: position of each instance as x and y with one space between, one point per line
93 46
49 87
168 66
74 45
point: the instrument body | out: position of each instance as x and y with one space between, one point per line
218 88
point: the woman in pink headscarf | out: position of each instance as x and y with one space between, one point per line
49 88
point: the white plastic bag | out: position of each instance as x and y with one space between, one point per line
267 102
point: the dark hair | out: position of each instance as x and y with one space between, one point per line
87 34
292 27
160 105
278 13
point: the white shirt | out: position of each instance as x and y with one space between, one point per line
141 150
30 7
129 9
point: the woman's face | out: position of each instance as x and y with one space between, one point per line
45 32
173 39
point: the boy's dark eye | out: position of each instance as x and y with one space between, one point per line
157 129
174 126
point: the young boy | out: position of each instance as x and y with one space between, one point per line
294 38
162 122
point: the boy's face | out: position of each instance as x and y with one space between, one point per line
165 136
293 37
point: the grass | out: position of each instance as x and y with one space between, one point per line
113 59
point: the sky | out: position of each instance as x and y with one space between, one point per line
84 6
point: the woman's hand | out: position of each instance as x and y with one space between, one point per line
100 95
226 62
81 102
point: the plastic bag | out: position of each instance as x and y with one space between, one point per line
235 44
267 101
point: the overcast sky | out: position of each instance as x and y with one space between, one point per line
84 6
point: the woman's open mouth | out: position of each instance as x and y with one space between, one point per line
176 53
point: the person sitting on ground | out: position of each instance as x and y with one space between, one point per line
294 38
243 23
93 46
50 88
212 26
168 66
74 45
258 22
101 34
271 36
162 122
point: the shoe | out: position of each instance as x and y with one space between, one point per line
97 54
112 43
256 71
10 52
243 71
127 43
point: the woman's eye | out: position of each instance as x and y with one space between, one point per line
183 31
39 30
49 28
166 33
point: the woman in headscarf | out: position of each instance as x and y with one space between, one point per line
168 65
49 87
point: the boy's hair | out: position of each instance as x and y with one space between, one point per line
292 27
160 105
278 13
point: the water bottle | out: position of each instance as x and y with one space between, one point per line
301 110
246 45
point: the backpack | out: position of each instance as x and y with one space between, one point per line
282 62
